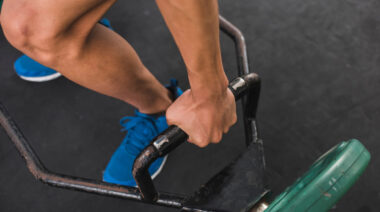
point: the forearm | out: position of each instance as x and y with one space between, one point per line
194 25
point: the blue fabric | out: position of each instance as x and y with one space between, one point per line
27 67
141 129
105 22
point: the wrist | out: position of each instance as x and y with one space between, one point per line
211 88
207 78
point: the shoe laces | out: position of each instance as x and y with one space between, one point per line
140 129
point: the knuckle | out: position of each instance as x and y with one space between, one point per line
170 117
217 138
202 144
234 119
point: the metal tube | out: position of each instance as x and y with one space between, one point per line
250 102
63 181
241 47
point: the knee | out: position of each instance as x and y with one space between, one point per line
33 36
15 29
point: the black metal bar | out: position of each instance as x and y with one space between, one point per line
250 109
250 102
243 85
173 137
63 181
241 47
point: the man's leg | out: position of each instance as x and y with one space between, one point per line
64 35
30 70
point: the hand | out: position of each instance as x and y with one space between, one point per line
203 119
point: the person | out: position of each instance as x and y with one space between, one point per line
65 36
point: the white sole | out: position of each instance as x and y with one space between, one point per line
41 79
154 175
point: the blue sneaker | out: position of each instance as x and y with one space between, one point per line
142 128
30 70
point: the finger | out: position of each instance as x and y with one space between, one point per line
226 129
202 144
190 140
169 117
216 138
234 119
198 143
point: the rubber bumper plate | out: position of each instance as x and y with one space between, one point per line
327 180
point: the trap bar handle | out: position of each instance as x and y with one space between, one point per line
173 137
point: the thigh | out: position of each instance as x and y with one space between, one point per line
59 16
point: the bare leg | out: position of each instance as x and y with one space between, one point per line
64 35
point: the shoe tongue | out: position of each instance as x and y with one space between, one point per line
140 132
145 128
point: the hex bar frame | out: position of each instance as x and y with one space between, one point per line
40 172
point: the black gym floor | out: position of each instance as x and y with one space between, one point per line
319 62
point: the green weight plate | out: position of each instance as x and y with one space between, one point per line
328 179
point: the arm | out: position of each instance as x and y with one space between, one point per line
208 109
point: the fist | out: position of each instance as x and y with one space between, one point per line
203 119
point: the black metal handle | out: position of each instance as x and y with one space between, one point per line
172 138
